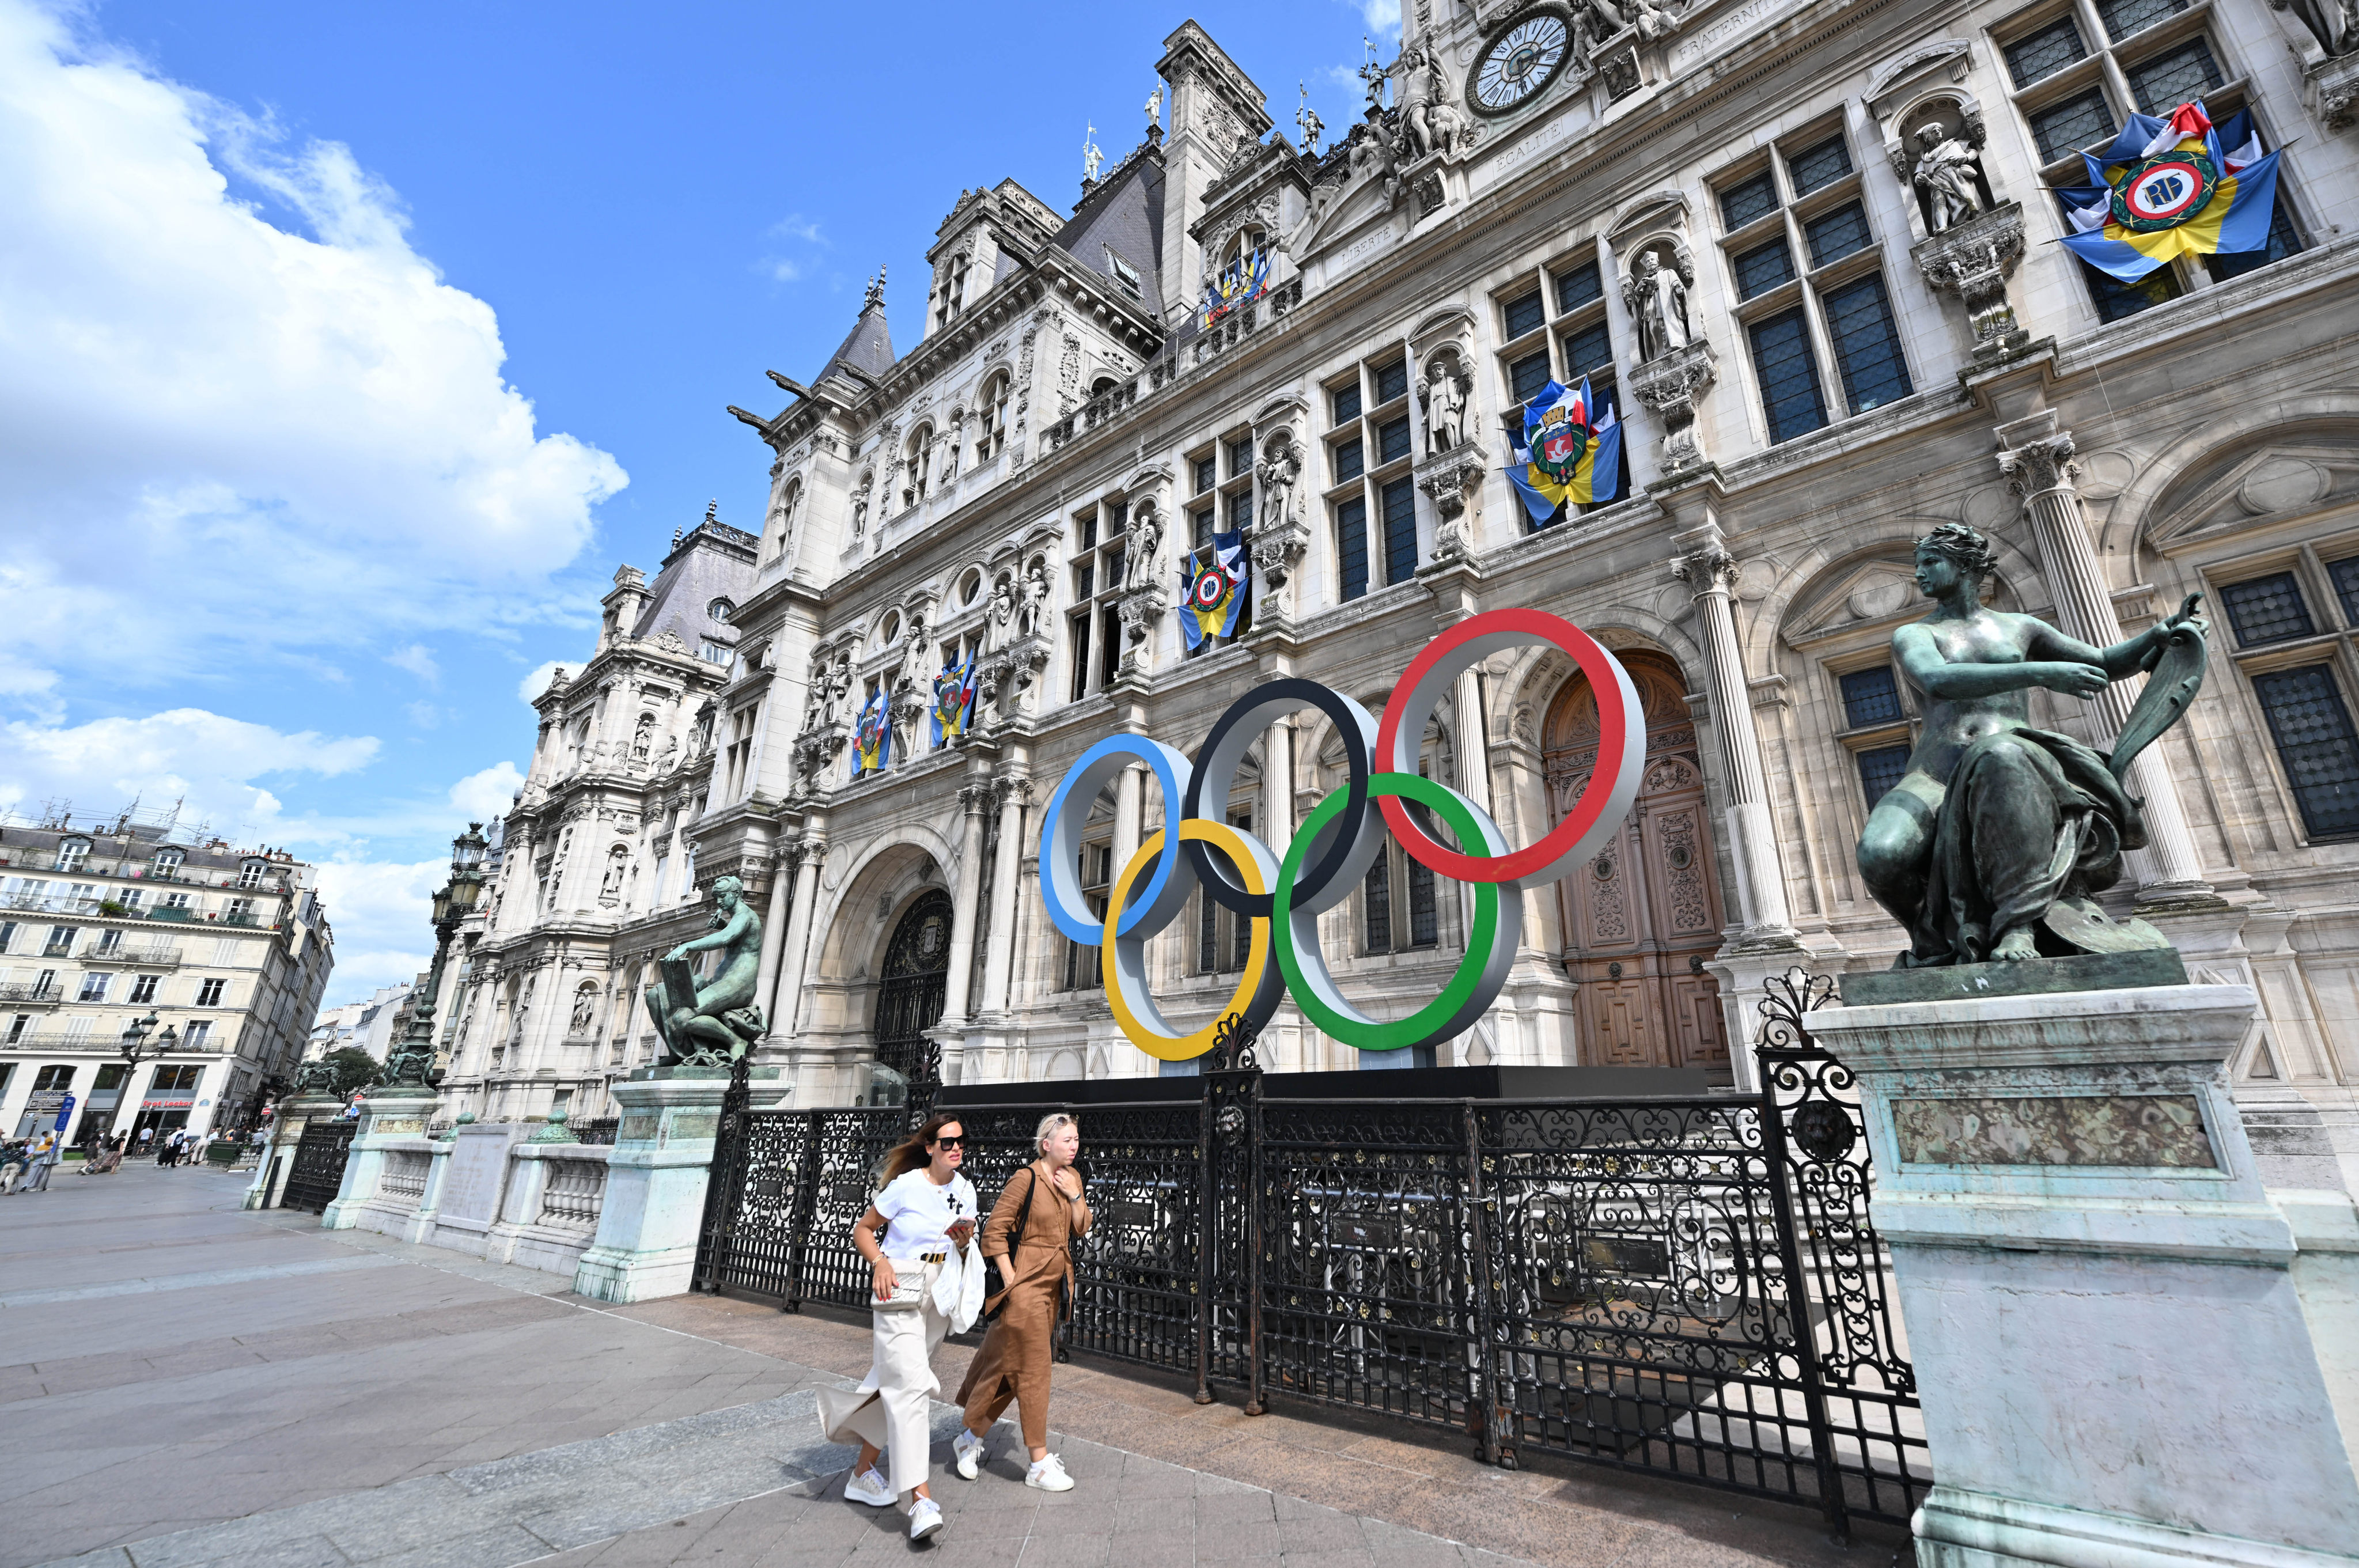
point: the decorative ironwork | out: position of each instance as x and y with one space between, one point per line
1233 1038
910 997
595 1129
318 1174
1683 1287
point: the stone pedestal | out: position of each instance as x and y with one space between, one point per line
470 1185
2129 1353
293 1115
392 1121
655 1180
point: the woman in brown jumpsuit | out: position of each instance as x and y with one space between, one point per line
1030 1231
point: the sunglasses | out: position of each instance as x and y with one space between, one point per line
953 1140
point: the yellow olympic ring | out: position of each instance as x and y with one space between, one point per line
1122 957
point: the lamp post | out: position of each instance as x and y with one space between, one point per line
412 1062
132 1048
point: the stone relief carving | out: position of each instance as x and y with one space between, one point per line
1142 567
1430 120
2333 23
1280 471
1454 484
1032 608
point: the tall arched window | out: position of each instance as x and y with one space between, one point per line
790 501
991 420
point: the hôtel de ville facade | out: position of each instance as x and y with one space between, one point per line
1807 250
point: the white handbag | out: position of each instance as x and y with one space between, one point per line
908 1295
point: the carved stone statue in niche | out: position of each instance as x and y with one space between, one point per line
860 511
1445 406
1142 569
1947 176
1994 842
1000 621
2333 23
1034 605
585 1008
1657 296
1281 470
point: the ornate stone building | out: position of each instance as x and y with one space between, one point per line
595 873
1808 250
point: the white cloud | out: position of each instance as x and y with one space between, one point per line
423 715
789 245
379 913
1382 18
301 443
419 660
488 794
535 684
208 761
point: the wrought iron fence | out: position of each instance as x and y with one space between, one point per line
595 1129
1682 1286
319 1169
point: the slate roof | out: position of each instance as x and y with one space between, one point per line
867 348
1124 215
711 562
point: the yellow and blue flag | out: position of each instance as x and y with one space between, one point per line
1240 283
1213 596
2173 187
1570 451
954 700
872 738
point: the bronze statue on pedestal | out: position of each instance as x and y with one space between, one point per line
1992 844
713 1024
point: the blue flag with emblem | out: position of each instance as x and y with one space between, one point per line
1213 593
2168 188
872 738
1570 451
954 700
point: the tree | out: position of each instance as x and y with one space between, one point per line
355 1069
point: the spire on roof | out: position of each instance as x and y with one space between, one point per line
713 510
876 301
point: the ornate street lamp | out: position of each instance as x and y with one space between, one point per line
132 1048
412 1062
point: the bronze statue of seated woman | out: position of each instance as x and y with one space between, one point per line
712 1024
1992 844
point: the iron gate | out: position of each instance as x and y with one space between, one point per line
319 1171
1683 1286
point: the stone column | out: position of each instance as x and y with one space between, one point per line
1469 737
956 984
2038 461
1709 572
1277 824
1129 792
774 933
1013 792
794 962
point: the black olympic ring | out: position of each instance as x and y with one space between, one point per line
1345 850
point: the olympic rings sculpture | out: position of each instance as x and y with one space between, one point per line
1283 894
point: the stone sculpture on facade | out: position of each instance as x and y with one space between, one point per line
1994 842
1445 406
1280 471
1312 126
1142 567
1155 108
712 1024
2333 23
1430 121
1949 173
1657 296
1032 608
999 622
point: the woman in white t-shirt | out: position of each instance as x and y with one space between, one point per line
919 1238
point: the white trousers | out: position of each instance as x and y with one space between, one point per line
889 1410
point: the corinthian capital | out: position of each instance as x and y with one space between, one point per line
1711 570
2036 466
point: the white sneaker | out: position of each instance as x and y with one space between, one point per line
868 1486
966 1452
925 1519
1049 1476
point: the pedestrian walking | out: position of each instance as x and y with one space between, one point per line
48 1148
927 1279
1031 1232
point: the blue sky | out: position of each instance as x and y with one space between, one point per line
346 351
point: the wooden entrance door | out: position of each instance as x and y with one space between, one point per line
1642 916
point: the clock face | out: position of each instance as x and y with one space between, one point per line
1519 63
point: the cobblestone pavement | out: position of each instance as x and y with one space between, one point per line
189 1384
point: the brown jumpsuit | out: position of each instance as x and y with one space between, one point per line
1014 1361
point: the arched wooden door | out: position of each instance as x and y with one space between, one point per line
910 994
1642 916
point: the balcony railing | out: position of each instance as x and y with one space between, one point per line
18 994
133 957
55 903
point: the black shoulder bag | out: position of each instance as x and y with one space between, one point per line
994 1282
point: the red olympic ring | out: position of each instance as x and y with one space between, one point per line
1613 785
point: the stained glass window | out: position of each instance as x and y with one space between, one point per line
1577 285
1789 377
1528 375
1392 381
1587 350
1525 315
2266 609
2123 18
2081 121
1838 233
1347 403
1748 200
2174 77
1401 530
1763 267
2315 742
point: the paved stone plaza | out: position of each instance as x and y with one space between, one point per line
189 1384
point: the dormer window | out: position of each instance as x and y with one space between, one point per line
72 853
720 610
167 863
1125 275
952 297
249 875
